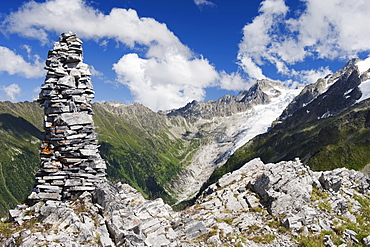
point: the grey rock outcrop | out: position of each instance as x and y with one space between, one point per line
258 205
259 198
110 216
288 182
70 160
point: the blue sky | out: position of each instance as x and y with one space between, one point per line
165 53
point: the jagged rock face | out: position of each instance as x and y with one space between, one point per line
303 201
278 190
309 93
70 160
110 216
327 97
260 93
258 205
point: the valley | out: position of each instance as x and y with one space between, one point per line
172 154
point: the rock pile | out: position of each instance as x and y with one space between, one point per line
283 204
111 216
70 160
287 204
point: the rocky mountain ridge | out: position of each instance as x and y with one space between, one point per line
312 91
225 125
160 155
327 96
261 93
284 204
326 125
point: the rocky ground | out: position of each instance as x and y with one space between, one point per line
284 204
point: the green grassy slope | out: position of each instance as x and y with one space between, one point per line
140 146
20 138
339 141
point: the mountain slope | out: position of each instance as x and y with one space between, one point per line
225 125
166 155
141 146
327 129
135 141
19 144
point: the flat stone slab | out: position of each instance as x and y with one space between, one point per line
77 118
81 188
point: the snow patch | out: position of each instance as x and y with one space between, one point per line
259 120
363 65
348 92
325 115
365 90
115 104
237 130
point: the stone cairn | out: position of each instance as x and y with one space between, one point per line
70 160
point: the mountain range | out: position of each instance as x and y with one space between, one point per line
176 154
326 126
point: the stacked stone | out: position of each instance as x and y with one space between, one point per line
70 160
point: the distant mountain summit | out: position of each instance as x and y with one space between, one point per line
328 96
223 126
260 93
327 125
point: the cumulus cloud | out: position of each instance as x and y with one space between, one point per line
310 76
166 65
329 29
10 92
234 81
34 20
156 82
15 64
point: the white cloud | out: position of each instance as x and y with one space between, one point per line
256 40
201 3
95 72
250 67
329 29
155 83
234 81
13 63
169 74
36 92
310 76
10 92
34 20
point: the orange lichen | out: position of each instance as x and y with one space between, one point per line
45 148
